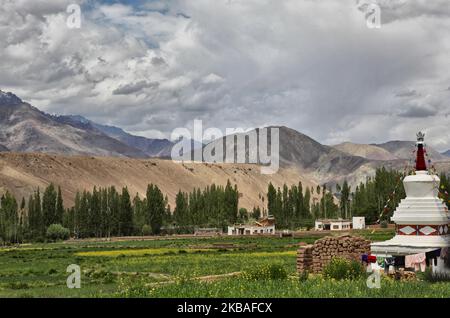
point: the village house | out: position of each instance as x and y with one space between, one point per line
263 226
332 225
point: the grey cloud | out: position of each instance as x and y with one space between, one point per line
158 61
418 112
290 62
407 93
134 87
397 10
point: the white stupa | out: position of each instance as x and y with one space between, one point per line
422 219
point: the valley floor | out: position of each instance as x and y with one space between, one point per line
182 267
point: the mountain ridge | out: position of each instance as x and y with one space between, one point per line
27 129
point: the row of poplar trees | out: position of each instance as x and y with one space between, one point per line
215 206
106 212
293 207
376 199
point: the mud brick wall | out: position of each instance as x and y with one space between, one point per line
304 258
314 258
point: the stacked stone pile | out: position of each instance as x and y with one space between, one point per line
304 258
315 258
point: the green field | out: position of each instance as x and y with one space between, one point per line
188 267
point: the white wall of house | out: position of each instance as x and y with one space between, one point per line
359 222
334 225
251 230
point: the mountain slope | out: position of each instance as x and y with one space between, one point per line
299 150
23 173
151 147
27 129
447 153
405 149
366 151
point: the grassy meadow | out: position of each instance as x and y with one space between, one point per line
182 267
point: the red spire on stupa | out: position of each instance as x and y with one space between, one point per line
420 160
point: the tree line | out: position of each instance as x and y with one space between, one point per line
107 212
375 199
215 206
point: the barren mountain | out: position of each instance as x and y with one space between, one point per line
151 147
447 153
23 173
298 150
27 129
405 149
366 151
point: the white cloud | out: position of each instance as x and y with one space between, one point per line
313 66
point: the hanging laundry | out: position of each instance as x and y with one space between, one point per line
364 258
445 256
399 261
380 261
432 256
416 261
373 267
389 265
372 259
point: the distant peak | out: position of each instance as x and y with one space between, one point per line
8 98
76 118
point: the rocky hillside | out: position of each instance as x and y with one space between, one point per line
27 129
23 173
404 150
370 152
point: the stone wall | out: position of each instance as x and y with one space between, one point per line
314 258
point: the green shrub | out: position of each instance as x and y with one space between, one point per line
431 277
340 268
52 271
266 272
57 232
146 230
303 276
17 285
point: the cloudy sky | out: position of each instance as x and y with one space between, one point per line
315 66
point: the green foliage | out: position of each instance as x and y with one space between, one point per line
303 276
444 189
155 209
146 229
29 271
384 224
341 269
57 232
266 272
291 208
125 214
10 228
431 277
256 214
243 215
370 197
215 206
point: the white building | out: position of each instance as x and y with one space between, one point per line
263 226
332 225
359 223
422 219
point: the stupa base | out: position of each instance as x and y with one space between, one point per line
406 245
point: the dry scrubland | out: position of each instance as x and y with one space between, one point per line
23 173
